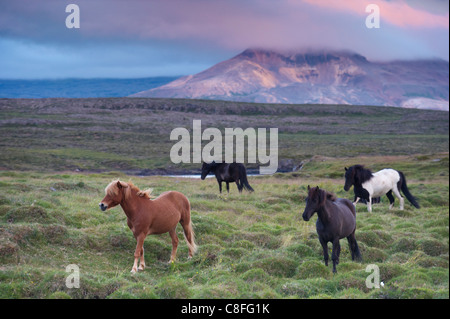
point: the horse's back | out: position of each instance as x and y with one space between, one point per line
387 173
346 205
383 181
348 215
175 199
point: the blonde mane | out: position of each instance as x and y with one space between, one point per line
113 190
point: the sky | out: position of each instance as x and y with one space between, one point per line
145 38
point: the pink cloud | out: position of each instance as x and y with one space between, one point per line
398 13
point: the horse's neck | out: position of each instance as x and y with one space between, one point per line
364 176
358 186
323 212
131 206
217 169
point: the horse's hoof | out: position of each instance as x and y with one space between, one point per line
133 271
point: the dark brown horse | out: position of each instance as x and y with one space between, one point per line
228 173
146 216
336 220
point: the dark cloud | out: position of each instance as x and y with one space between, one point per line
169 37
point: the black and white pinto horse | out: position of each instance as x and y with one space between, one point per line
368 185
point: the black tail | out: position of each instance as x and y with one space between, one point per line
243 178
406 192
356 252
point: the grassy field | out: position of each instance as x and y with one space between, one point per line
58 155
250 246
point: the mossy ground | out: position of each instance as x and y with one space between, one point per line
251 245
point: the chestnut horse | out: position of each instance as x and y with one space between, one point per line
146 216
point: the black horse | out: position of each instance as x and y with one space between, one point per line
336 220
228 173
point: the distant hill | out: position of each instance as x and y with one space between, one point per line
78 88
320 77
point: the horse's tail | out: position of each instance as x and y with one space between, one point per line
243 178
356 251
189 233
406 192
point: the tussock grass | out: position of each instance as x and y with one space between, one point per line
251 245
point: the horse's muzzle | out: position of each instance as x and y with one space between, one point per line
305 217
102 206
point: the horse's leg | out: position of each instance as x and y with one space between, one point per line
335 253
391 199
142 261
139 251
220 186
228 187
399 196
173 235
356 201
325 250
240 186
338 254
369 204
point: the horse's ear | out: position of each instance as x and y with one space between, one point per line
309 188
346 169
121 185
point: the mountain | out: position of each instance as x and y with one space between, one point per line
322 77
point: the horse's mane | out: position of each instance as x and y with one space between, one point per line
322 194
362 174
330 196
112 189
325 195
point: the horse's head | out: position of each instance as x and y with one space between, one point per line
315 199
114 194
206 168
349 178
